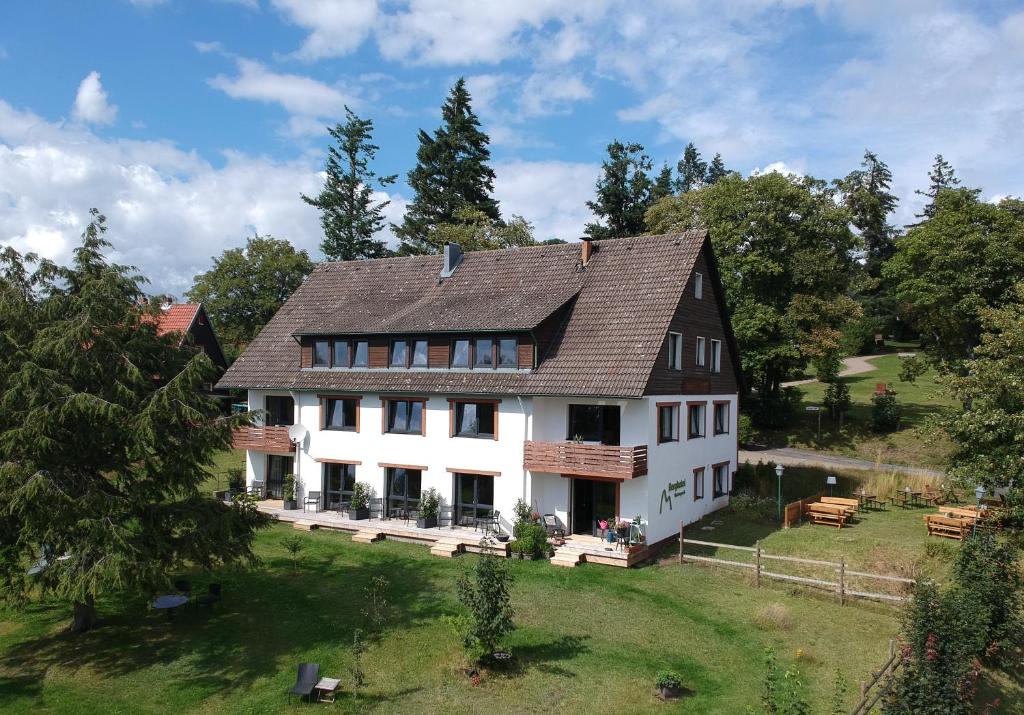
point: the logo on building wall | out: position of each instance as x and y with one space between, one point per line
677 490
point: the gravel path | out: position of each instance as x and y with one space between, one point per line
788 455
851 366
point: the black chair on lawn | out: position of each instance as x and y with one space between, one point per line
312 498
212 596
306 680
184 587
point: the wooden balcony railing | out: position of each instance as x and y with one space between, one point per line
262 439
585 460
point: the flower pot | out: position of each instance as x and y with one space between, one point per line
670 693
291 504
611 537
427 522
359 514
503 538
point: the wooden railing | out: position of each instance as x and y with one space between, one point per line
585 460
262 439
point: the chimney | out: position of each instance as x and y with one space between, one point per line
452 259
587 249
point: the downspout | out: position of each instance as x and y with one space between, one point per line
298 452
528 435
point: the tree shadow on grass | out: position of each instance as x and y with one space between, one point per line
269 619
544 657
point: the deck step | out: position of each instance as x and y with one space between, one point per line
446 549
566 559
366 537
304 525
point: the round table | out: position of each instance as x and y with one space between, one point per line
169 603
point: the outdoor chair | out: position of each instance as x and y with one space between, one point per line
212 595
377 507
257 489
446 514
412 514
306 680
312 498
489 520
552 527
184 587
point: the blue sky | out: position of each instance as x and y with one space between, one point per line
192 124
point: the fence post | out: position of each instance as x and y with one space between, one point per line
680 542
757 562
842 580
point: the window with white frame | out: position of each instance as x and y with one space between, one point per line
720 479
698 483
702 351
716 356
698 285
695 419
721 418
675 351
668 422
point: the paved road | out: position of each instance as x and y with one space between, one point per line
851 366
788 455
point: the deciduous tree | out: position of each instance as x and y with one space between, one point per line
475 231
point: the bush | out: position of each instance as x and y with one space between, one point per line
430 503
523 515
859 335
987 568
745 430
288 489
668 679
775 411
532 540
487 593
361 495
837 399
749 505
236 479
885 412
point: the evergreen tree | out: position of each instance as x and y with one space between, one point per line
866 193
624 192
348 214
105 437
716 171
691 170
942 176
452 174
663 184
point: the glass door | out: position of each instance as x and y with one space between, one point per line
474 498
277 467
403 489
339 481
592 501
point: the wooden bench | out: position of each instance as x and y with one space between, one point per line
831 514
932 496
949 527
959 512
851 504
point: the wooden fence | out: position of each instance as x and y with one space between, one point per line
881 681
841 584
793 512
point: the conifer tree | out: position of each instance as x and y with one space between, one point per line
716 171
866 193
452 174
105 437
348 214
691 170
942 176
624 192
663 183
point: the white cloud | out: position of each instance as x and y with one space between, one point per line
544 94
336 27
778 167
551 195
91 103
296 93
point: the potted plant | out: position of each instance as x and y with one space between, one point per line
289 492
430 504
669 683
360 508
622 529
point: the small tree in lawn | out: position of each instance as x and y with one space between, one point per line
105 437
487 593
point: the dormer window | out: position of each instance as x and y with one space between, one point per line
484 353
508 353
360 353
399 353
419 353
460 353
321 353
340 358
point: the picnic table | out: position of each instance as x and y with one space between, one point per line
869 500
168 603
907 498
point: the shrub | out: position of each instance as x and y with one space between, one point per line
859 335
236 479
289 487
376 604
668 679
748 504
361 495
522 514
785 695
774 617
487 593
430 503
745 430
987 568
532 540
885 412
837 399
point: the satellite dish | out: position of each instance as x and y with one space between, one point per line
297 433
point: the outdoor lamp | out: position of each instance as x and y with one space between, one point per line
979 492
778 472
831 481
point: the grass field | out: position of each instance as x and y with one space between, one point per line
913 444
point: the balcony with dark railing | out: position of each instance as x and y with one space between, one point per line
586 460
262 439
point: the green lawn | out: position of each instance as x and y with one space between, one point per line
913 444
223 461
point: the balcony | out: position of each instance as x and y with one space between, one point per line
585 460
262 439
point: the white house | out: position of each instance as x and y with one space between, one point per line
594 380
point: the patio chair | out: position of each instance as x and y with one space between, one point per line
312 498
489 520
212 596
258 488
377 507
306 680
184 587
446 514
552 527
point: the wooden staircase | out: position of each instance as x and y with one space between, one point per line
566 557
364 536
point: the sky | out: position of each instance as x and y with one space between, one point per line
193 124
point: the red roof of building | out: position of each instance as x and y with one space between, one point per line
177 318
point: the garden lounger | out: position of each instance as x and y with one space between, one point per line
306 680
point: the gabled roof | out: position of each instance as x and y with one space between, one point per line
177 318
611 318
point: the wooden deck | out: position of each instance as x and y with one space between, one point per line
580 548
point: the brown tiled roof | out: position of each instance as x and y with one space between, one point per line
606 345
177 318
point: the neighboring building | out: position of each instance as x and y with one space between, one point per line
190 322
594 380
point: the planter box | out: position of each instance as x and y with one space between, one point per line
359 514
429 522
291 505
671 693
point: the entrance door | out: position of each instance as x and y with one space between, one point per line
592 500
277 467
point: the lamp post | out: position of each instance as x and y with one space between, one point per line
830 480
979 492
778 472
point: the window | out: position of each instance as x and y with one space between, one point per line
698 285
360 354
483 353
594 423
341 413
508 352
399 353
419 353
475 419
675 351
339 482
720 479
280 411
716 356
340 357
698 483
695 421
701 352
403 489
668 422
404 416
721 418
321 353
278 467
474 498
460 353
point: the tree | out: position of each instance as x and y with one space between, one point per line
662 184
348 214
986 436
941 177
488 596
716 171
966 257
866 194
623 192
475 231
247 286
100 463
691 170
784 251
451 174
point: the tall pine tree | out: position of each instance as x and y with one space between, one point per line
942 176
866 193
624 192
716 171
349 216
452 175
663 183
691 170
105 438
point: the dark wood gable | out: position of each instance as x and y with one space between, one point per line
704 317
